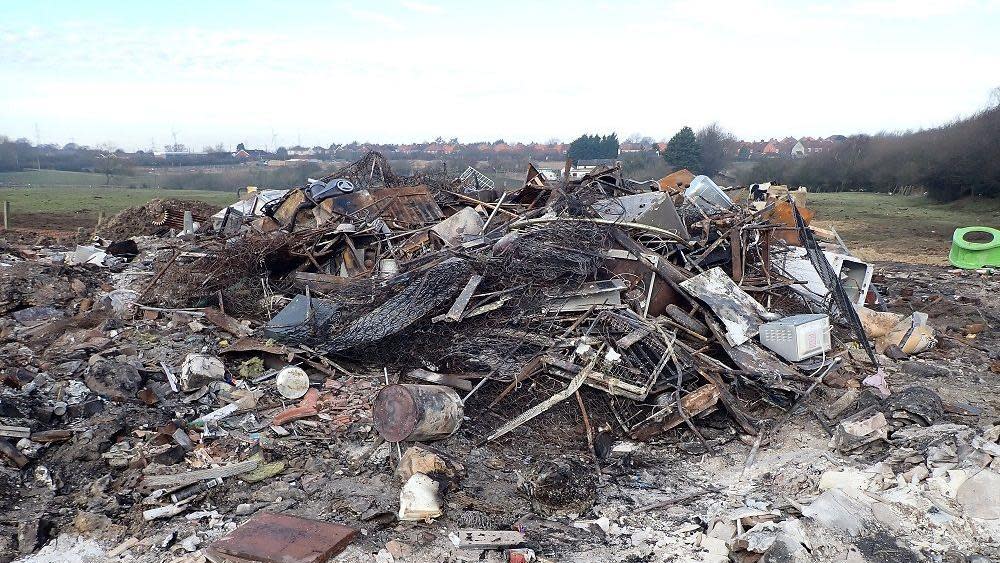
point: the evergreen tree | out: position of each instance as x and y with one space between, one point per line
588 147
683 151
609 146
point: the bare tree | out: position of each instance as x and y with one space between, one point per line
716 143
219 147
111 164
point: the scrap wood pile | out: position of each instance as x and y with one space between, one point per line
367 302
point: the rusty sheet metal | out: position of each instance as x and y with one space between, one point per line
280 538
410 206
782 214
663 294
676 182
343 205
289 207
174 217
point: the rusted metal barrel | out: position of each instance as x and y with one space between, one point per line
406 412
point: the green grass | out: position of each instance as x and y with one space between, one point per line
86 203
900 228
64 178
78 197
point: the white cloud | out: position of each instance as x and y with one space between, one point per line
422 7
909 9
378 18
758 68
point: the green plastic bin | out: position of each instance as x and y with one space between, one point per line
979 254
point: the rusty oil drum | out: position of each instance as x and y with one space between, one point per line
409 413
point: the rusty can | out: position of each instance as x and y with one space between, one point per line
406 412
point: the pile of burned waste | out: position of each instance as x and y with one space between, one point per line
157 216
347 360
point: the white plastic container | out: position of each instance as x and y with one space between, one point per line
707 195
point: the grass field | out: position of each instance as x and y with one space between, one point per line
899 228
65 208
61 178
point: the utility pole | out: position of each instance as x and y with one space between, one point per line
38 145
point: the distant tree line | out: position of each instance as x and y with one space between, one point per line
955 160
236 177
19 154
588 147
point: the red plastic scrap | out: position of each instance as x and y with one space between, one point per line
307 407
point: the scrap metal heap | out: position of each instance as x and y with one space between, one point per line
651 297
366 307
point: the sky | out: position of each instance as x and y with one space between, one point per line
135 74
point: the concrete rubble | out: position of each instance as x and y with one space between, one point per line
420 368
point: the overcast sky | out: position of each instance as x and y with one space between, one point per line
133 73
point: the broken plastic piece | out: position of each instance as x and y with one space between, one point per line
970 254
419 499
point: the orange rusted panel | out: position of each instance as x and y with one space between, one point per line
409 206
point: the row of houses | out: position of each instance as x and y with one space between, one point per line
498 147
789 147
436 148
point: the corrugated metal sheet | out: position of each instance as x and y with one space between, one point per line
410 206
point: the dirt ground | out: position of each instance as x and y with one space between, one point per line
614 521
896 228
664 500
64 222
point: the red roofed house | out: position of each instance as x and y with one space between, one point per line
813 146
